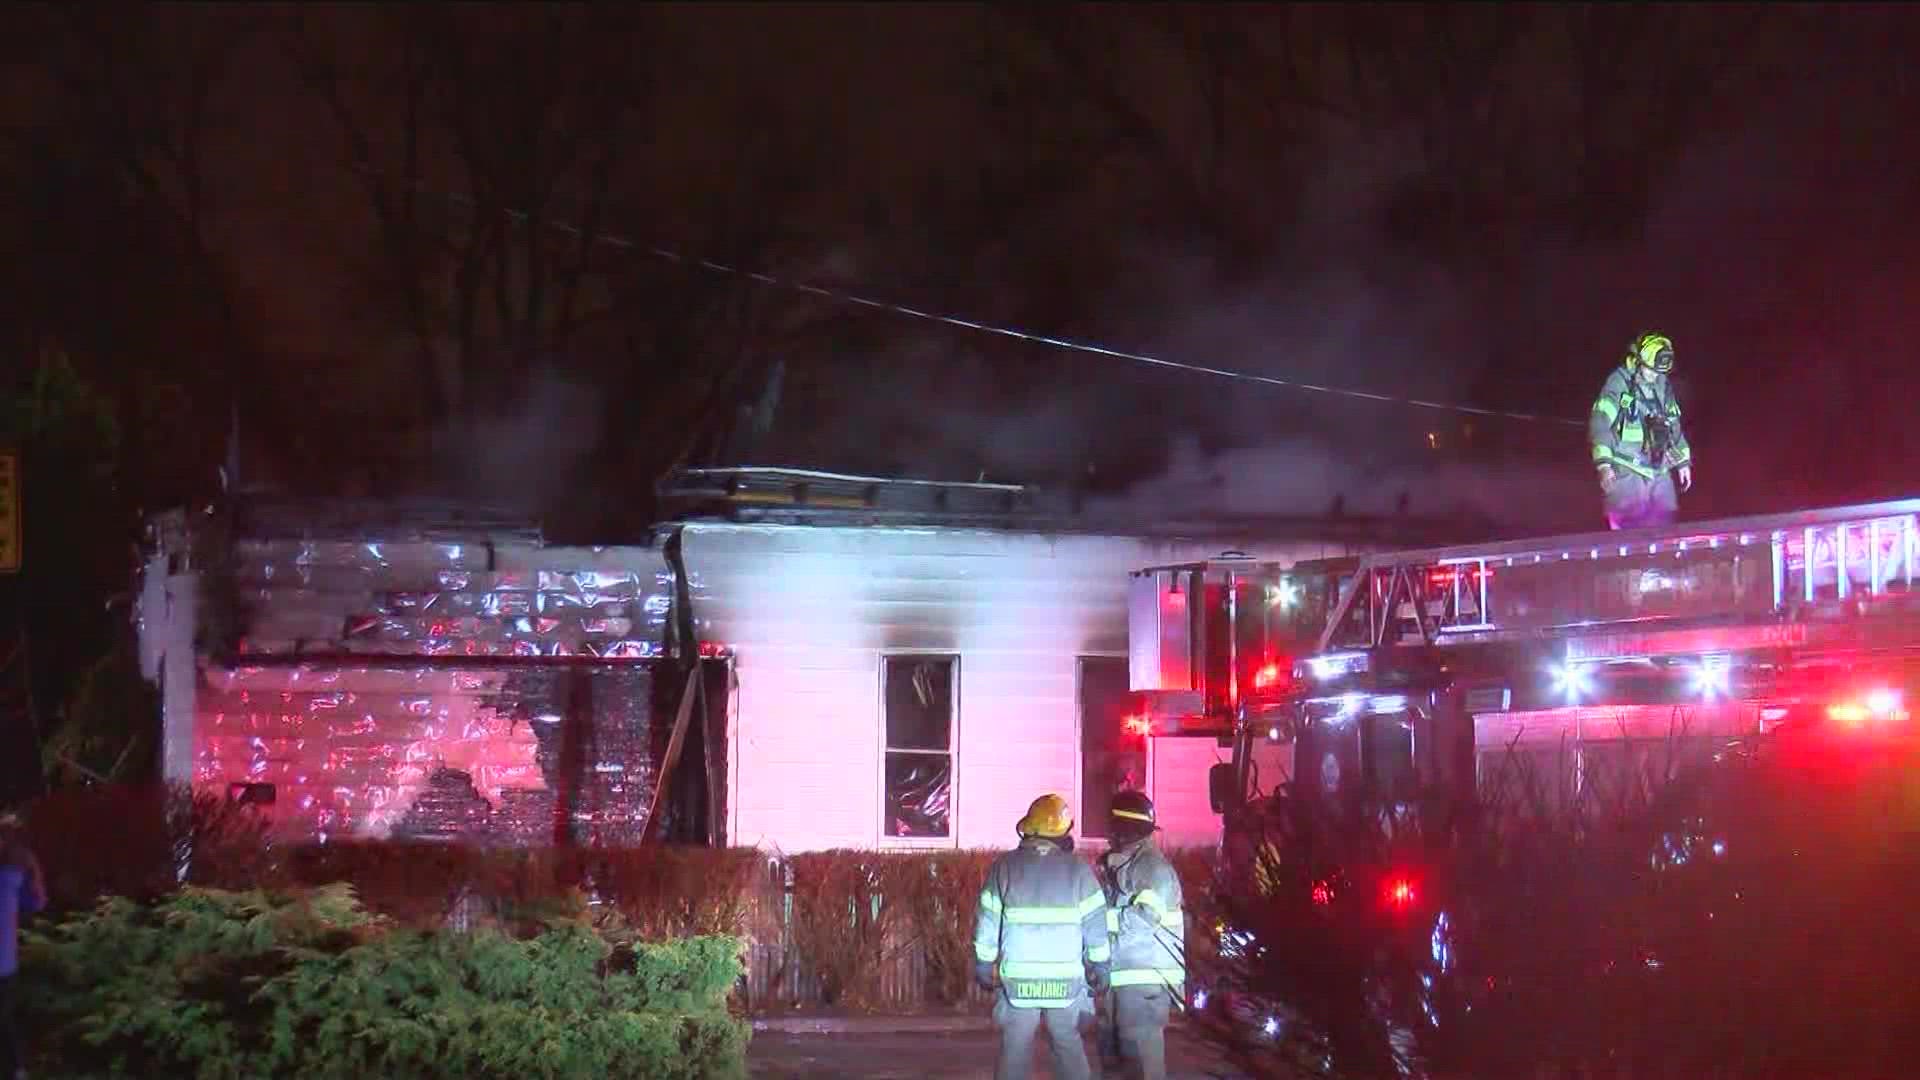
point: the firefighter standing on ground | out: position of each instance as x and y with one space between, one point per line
1149 937
1043 918
1638 444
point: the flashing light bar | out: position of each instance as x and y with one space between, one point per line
1335 665
1346 705
1713 676
1572 680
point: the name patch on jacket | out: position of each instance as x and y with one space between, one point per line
1033 989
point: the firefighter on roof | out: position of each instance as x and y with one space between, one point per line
1638 444
1149 938
1043 918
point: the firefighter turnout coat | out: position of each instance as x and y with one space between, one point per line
1636 427
1043 917
1148 924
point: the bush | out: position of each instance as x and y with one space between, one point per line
144 841
659 893
420 884
845 915
670 892
1199 870
938 898
853 916
216 984
1732 920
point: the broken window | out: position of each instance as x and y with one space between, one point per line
1112 758
919 695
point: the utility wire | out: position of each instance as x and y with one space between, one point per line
841 296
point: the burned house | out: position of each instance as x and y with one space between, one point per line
845 662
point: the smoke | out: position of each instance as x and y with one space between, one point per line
1340 308
1739 257
527 456
1770 266
1314 476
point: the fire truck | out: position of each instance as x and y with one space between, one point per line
1388 672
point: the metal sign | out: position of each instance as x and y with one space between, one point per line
10 503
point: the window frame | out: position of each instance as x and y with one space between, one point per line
1082 819
882 837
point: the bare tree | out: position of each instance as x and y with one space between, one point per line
518 231
710 328
470 132
118 140
138 87
1534 117
1205 109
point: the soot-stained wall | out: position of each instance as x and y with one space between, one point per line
443 687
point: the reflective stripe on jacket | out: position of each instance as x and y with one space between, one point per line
1617 427
1043 916
1146 919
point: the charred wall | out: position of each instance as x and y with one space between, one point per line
455 684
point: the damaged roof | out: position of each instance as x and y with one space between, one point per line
788 496
807 497
397 520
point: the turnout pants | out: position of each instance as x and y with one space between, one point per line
1636 502
1018 1027
1135 1035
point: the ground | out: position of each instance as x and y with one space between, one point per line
937 1053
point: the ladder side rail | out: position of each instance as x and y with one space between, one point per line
1743 530
1769 533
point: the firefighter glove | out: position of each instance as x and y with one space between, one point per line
1606 478
983 974
1099 977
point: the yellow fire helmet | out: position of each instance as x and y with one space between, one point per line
1048 817
1653 351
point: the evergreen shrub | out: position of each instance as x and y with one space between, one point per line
307 983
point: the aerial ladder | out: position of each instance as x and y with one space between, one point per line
1408 669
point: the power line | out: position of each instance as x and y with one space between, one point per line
841 296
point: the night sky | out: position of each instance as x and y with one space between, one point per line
1472 204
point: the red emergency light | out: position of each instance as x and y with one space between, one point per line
1464 575
1400 892
1267 677
1880 704
1138 724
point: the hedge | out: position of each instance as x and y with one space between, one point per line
216 984
841 918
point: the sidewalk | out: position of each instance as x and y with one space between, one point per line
922 1048
872 1025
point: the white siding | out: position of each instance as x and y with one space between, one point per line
166 624
809 611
